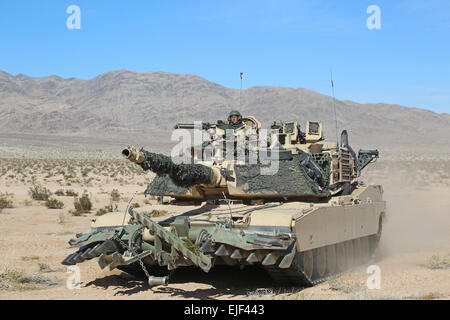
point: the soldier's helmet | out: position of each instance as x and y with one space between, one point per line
237 114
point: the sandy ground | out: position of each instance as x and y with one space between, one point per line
33 239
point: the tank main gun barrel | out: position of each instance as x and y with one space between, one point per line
191 126
182 175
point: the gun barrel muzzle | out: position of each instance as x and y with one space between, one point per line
132 154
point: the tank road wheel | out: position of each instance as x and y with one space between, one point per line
307 263
331 259
349 254
341 260
357 251
320 262
365 249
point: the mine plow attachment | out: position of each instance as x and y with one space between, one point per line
178 246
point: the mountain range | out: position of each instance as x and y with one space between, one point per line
144 107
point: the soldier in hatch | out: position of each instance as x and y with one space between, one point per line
236 132
242 133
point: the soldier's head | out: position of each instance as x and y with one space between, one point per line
235 117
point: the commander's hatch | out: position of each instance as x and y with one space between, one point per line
252 122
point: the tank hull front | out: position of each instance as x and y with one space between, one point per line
299 243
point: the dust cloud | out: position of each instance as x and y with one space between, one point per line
417 195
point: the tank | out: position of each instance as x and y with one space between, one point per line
310 219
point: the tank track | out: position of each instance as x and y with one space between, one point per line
295 275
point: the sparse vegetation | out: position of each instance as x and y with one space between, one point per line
62 218
115 195
6 201
438 262
18 280
106 209
82 205
54 204
71 193
30 258
430 296
60 192
156 213
346 287
43 267
39 193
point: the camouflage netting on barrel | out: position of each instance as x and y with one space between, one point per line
162 185
182 175
301 176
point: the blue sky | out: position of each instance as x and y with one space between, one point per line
278 43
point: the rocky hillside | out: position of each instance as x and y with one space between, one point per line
145 106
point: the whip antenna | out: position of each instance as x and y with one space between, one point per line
242 76
334 106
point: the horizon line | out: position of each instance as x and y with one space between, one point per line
237 89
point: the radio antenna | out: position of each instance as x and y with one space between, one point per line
334 105
242 76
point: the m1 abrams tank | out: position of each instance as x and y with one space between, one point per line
309 220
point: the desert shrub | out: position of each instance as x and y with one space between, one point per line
30 258
59 192
5 201
346 287
136 205
156 213
438 262
43 267
115 195
82 205
71 193
62 218
54 204
18 280
39 193
106 209
85 172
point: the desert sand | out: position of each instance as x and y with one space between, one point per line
413 255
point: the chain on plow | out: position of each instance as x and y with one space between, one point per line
150 279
